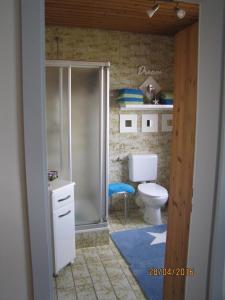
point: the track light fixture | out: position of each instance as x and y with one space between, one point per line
180 12
152 10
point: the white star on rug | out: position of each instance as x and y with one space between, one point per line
159 237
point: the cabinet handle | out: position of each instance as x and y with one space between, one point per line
63 199
63 215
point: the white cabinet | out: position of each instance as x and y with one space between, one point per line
63 223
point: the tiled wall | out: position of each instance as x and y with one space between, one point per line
125 51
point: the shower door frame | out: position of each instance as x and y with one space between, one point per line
103 67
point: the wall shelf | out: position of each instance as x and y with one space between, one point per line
147 107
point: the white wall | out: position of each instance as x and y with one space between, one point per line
15 275
211 40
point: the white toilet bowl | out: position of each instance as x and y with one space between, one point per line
154 196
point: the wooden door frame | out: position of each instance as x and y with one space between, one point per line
182 161
35 144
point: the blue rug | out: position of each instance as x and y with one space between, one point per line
144 249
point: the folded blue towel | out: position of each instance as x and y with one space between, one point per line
166 101
130 91
130 100
118 187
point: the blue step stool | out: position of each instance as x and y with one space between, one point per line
124 189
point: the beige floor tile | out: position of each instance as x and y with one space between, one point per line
103 285
110 263
125 294
89 250
123 263
99 279
55 294
86 293
106 295
123 289
79 260
67 294
81 281
91 257
96 269
103 248
101 272
114 270
120 283
65 278
129 275
80 271
138 292
106 255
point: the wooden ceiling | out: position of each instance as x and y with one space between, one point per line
123 15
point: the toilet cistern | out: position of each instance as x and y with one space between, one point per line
143 168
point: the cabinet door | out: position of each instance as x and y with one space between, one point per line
64 236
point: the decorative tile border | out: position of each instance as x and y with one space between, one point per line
167 120
149 123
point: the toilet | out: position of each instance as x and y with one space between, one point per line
152 196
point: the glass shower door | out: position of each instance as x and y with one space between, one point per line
57 116
86 143
53 118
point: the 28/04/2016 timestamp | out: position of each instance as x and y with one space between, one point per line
171 272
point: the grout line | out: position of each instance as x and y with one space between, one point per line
91 276
121 270
74 282
107 277
126 275
56 290
110 280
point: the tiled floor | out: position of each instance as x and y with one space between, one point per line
135 220
101 272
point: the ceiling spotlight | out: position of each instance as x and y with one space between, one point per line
152 10
180 12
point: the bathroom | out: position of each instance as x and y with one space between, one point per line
127 60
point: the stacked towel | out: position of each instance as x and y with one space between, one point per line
130 96
166 97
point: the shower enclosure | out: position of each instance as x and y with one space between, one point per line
77 96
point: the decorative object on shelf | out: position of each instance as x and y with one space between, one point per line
166 97
167 122
52 175
150 89
149 123
155 101
130 96
128 123
142 70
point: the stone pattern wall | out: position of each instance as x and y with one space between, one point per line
125 51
